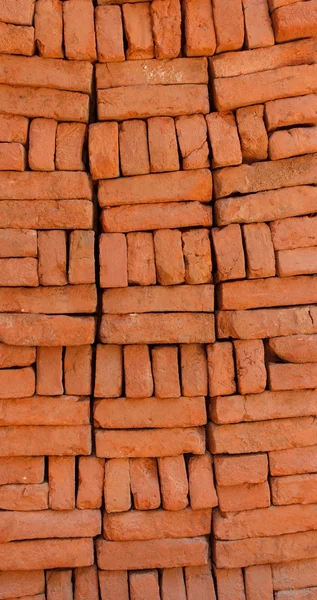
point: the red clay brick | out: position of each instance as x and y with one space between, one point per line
295 574
230 581
192 139
15 583
144 585
258 26
44 186
174 483
252 133
48 440
18 243
104 150
258 583
49 523
162 144
49 371
13 128
138 30
134 153
172 584
16 356
17 383
90 482
12 157
46 554
294 233
19 13
295 349
43 410
259 250
199 583
117 493
86 583
52 257
293 22
53 300
113 260
78 370
165 371
169 258
221 369
141 263
299 261
109 33
167 39
227 243
145 485
294 489
291 111
202 491
197 256
30 497
21 470
79 30
19 272
288 376
59 585
108 381
234 498
251 371
199 28
293 461
48 23
137 371
229 24
241 470
114 585
220 126
70 139
47 214
61 478
81 267
293 142
193 370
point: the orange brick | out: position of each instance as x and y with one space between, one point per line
291 111
117 493
114 585
197 256
165 371
228 247
295 574
134 153
144 585
199 28
138 30
51 440
48 23
259 250
192 139
70 139
293 22
59 585
79 30
18 383
199 583
258 583
17 242
61 477
21 470
167 39
252 133
19 13
137 371
298 261
230 581
293 461
174 484
16 39
109 33
49 371
12 157
19 272
170 265
13 128
221 372
52 257
162 144
172 584
145 486
15 583
31 497
258 26
108 382
202 491
248 496
104 150
291 376
86 583
81 267
42 135
220 126
229 24
241 470
141 262
251 371
46 554
77 370
300 232
193 370
113 260
293 142
294 489
90 482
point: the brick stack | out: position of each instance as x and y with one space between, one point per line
171 148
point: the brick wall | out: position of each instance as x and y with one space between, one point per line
158 321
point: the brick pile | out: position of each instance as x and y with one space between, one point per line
158 321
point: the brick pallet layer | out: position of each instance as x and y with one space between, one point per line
158 320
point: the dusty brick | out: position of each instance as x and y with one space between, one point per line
199 583
113 260
167 39
90 482
138 30
13 128
258 26
139 102
70 139
21 470
79 30
227 243
44 186
104 150
199 28
49 371
159 298
117 493
170 265
295 349
12 157
141 264
43 410
59 585
46 554
144 585
173 482
294 233
293 22
151 554
192 139
230 581
251 371
273 4
48 23
234 498
145 485
30 497
220 126
137 371
149 443
52 257
15 583
162 144
86 583
19 272
114 585
52 300
197 256
193 370
157 216
288 376
241 470
293 461
172 584
295 574
134 153
18 243
81 267
48 440
16 356
259 250
156 524
108 379
109 33
19 13
291 111
202 491
78 370
49 214
258 583
221 375
165 371
252 133
299 261
229 24
294 489
292 142
61 477
17 383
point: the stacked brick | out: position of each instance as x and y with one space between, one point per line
157 422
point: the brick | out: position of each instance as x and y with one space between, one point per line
108 378
137 371
175 71
222 126
295 574
252 133
44 186
268 206
173 482
194 380
229 24
104 150
295 349
109 33
294 489
144 586
192 138
262 59
59 585
299 261
221 371
145 485
54 300
165 371
49 371
162 144
234 498
138 30
297 594
90 482
19 13
61 477
16 356
294 233
18 243
259 32
167 40
288 376
172 584
86 583
149 443
46 103
157 524
228 248
19 272
241 470
262 436
293 461
12 157
199 28
293 22
140 102
250 364
199 583
70 139
21 470
51 440
141 264
256 88
265 550
46 554
13 128
202 491
117 493
81 267
48 524
291 111
230 581
273 4
48 24
134 153
43 73
48 214
197 256
259 250
52 257
155 328
157 216
159 187
43 410
24 497
265 323
170 266
258 583
15 583
79 30
292 142
113 260
114 585
151 554
17 383
78 369
140 413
